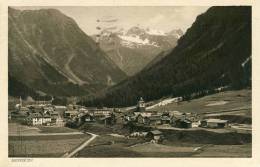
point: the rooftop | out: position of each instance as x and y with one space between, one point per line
216 120
156 132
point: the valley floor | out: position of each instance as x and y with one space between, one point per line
114 141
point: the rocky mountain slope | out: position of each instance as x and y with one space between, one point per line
134 48
49 52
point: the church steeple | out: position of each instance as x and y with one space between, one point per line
141 105
21 101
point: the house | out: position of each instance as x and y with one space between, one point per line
182 123
38 119
140 119
43 102
100 112
138 134
83 110
60 109
36 109
60 122
109 120
155 120
165 119
147 118
46 119
24 111
155 135
130 118
88 118
70 113
214 123
54 115
34 119
48 109
176 114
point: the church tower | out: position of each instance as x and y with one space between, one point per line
141 105
21 101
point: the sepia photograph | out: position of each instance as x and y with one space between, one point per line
138 83
129 81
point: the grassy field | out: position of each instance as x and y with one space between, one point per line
175 144
205 137
46 129
102 148
14 128
101 129
110 146
227 100
226 151
43 146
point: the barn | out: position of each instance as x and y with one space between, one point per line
214 123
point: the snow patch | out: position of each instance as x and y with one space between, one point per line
217 103
165 102
135 39
132 41
155 32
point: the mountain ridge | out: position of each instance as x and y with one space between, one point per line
49 52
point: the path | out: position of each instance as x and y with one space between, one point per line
47 134
86 143
71 73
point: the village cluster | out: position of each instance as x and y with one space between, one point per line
44 113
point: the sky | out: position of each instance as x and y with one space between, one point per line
165 18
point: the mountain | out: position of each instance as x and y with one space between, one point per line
50 53
18 89
134 48
214 52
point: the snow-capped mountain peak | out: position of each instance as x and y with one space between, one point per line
136 37
155 32
135 40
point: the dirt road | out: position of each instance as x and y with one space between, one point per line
86 143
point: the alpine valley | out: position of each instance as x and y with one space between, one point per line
214 52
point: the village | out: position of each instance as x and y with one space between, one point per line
43 113
173 124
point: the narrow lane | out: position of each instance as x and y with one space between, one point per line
86 143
